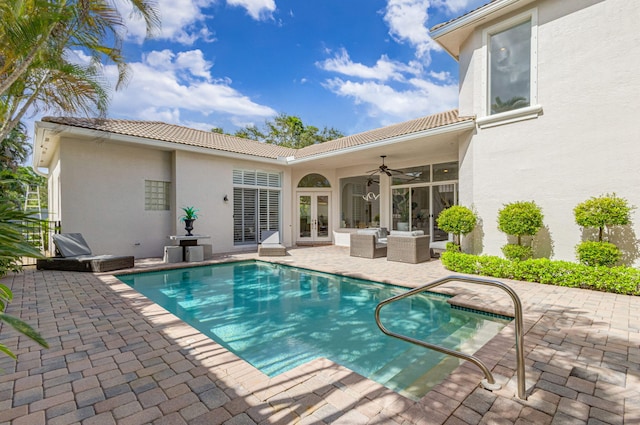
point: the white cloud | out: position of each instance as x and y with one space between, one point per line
182 21
258 9
407 20
457 6
384 69
442 75
420 98
168 86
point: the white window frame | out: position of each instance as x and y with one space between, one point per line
534 110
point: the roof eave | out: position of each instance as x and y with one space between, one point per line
451 128
447 34
144 141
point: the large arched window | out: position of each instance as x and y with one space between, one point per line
314 180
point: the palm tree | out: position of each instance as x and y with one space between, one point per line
36 37
14 150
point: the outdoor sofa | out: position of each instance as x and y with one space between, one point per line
73 254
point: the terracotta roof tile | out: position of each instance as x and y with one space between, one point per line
188 136
177 134
414 126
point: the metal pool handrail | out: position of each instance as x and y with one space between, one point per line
489 382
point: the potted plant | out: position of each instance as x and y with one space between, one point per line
189 217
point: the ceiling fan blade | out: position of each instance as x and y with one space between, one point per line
388 173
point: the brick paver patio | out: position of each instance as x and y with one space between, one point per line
117 358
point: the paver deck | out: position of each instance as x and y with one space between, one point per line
117 358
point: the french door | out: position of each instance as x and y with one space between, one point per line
313 217
254 211
418 207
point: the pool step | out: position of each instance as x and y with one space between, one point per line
414 378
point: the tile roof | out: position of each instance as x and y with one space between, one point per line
158 130
188 136
413 126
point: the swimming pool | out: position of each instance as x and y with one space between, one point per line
278 317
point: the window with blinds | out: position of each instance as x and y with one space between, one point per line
256 204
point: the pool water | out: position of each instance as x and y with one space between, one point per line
278 317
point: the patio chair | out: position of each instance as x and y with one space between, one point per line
73 254
271 246
367 243
408 247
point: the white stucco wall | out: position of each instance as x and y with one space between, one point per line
584 144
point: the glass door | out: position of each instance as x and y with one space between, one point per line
313 217
444 196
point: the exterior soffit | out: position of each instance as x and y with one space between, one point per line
451 35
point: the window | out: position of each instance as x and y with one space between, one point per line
360 202
156 195
511 71
314 180
510 68
256 204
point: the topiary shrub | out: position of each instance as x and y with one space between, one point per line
458 220
519 219
516 252
452 247
603 212
597 253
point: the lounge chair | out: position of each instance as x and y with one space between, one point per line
73 254
368 243
271 246
408 247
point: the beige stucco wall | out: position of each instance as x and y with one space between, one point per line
107 180
584 144
203 181
102 196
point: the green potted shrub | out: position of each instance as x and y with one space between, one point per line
523 218
601 213
188 218
458 220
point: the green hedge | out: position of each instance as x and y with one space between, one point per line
619 280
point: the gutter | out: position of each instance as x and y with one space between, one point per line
461 126
471 18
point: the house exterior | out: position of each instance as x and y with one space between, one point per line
548 101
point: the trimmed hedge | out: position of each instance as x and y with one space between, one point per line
618 280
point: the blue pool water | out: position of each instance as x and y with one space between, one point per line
278 317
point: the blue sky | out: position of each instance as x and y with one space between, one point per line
353 65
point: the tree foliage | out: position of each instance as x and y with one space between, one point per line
603 212
37 40
458 220
287 131
14 149
515 102
519 219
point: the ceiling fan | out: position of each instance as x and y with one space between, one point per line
384 169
